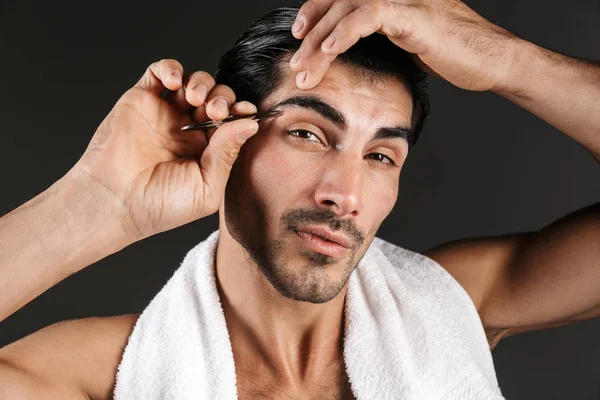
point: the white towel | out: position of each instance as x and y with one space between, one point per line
411 333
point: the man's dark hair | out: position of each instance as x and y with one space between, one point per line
252 67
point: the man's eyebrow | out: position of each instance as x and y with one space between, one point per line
329 112
402 132
316 104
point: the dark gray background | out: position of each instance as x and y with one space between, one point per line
482 167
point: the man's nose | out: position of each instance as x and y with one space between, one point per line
340 186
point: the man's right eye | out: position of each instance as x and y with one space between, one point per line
304 134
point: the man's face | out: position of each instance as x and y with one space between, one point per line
315 167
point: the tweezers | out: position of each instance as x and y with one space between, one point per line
257 116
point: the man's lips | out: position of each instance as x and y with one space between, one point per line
322 241
326 234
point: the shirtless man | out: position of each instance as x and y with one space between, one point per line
140 176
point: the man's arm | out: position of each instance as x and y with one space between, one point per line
563 91
75 359
548 278
69 226
531 281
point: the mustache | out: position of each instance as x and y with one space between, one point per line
301 216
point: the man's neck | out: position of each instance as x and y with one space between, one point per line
295 341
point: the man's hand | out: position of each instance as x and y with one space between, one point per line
165 177
140 175
447 37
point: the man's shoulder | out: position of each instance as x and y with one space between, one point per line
78 356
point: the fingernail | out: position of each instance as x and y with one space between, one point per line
328 43
247 134
296 57
301 77
298 24
200 91
222 105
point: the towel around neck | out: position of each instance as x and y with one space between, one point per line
411 333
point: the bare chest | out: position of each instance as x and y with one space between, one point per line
330 387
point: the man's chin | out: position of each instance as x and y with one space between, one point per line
309 280
320 297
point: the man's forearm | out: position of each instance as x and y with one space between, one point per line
563 91
61 231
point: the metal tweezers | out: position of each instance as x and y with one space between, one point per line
258 116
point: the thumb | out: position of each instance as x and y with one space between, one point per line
220 154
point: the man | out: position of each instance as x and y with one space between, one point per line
309 169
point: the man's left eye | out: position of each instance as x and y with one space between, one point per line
382 159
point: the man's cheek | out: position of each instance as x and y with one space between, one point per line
380 199
279 172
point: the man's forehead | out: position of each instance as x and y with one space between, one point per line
384 100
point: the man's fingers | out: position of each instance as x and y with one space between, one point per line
200 89
191 144
360 23
309 61
309 54
217 105
161 75
177 99
199 85
241 107
194 91
219 101
220 154
309 15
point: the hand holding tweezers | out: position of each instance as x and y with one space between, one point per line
257 116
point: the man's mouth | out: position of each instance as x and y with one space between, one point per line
324 242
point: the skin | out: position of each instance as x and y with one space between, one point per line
517 282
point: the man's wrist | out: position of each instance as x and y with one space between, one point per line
96 215
102 199
522 56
